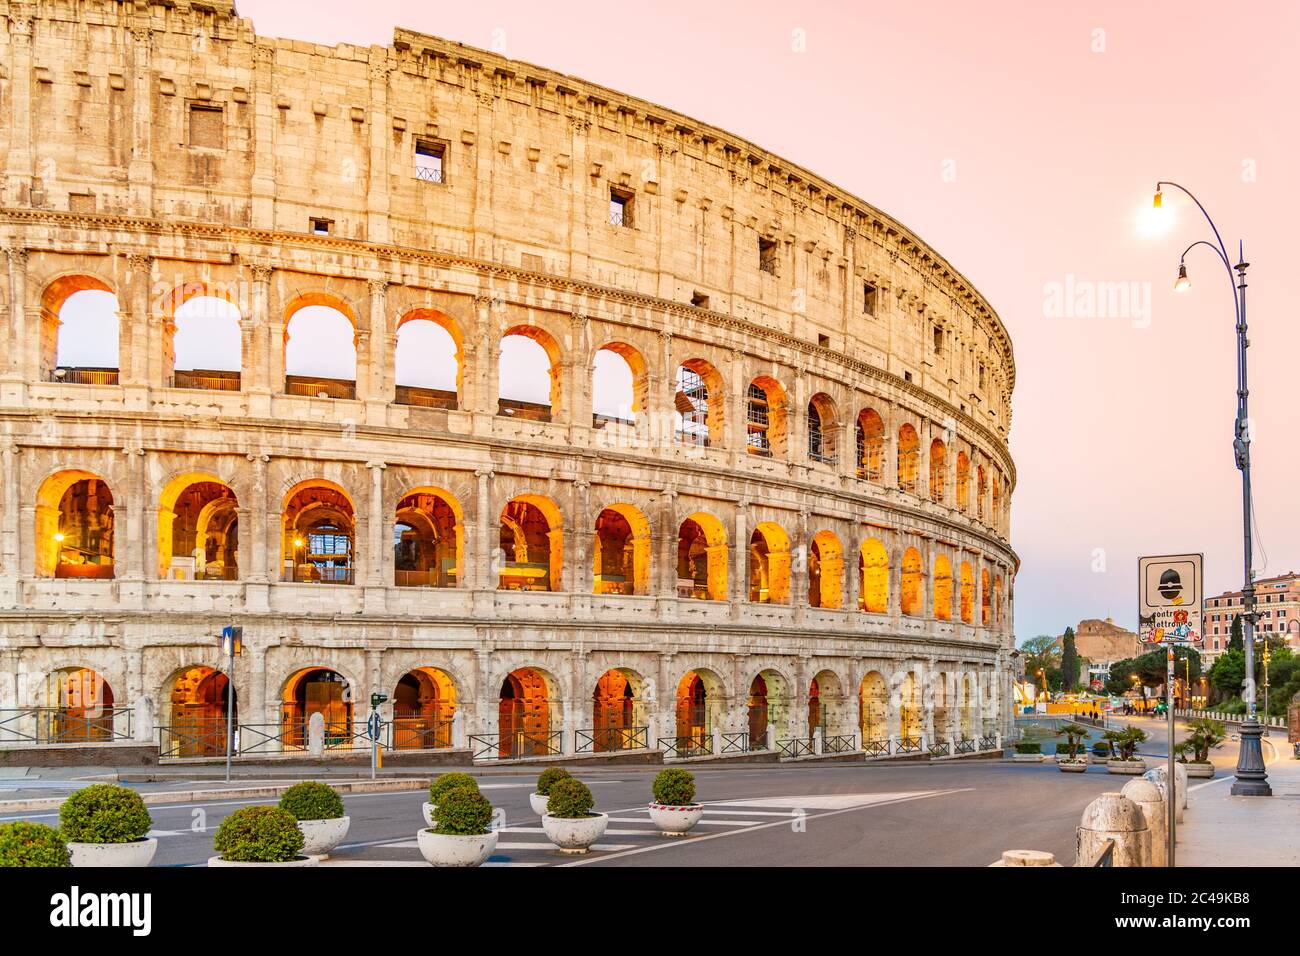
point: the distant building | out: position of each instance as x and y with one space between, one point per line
1277 601
1102 643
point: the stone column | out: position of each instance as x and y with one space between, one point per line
665 545
13 384
376 571
141 334
381 385
740 558
738 413
579 571
482 564
802 549
487 392
256 376
9 560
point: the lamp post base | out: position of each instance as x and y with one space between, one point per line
1252 778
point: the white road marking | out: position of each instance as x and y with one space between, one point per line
825 801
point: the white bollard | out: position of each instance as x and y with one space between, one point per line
1151 801
316 735
1112 816
1026 858
1157 776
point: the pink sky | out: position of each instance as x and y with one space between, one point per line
997 132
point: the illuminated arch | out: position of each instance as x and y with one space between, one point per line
525 721
985 597
532 545
618 717
198 529
421 358
318 533
315 690
699 405
198 699
70 347
825 571
873 564
324 320
700 705
622 551
910 718
83 708
424 706
74 533
428 539
942 588
766 417
769 564
826 705
520 390
910 596
823 429
909 457
963 482
769 703
967 593
870 444
702 558
202 336
938 470
873 708
613 363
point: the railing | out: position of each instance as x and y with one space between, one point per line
989 742
272 738
520 743
908 745
693 746
428 578
875 748
1105 856
428 174
95 572
62 725
839 744
312 574
213 381
419 733
693 438
424 397
937 749
964 746
607 739
734 743
84 376
203 740
529 411
319 387
794 747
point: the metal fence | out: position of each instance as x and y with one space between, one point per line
964 746
908 745
697 745
65 725
734 743
937 749
795 747
520 743
839 744
206 739
876 748
989 742
607 739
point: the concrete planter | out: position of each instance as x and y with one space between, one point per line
440 849
538 802
296 861
1027 758
322 836
1072 766
1099 758
427 809
1201 770
1131 768
135 853
675 820
575 834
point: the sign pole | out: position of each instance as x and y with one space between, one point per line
1172 789
230 708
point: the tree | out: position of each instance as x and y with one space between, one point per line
1069 661
1235 641
1151 669
1227 673
1042 653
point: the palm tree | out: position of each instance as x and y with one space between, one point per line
1074 735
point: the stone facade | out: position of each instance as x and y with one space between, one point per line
1277 602
164 151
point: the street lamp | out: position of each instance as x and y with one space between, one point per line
1252 777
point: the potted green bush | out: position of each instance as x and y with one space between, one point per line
674 810
537 799
107 825
569 822
32 844
1203 735
1028 751
461 834
1123 755
445 783
1100 751
259 836
1071 761
319 811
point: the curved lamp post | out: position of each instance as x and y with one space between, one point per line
1252 778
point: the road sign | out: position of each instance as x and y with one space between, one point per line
1170 594
375 725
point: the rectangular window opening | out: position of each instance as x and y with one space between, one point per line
620 207
429 158
207 126
868 298
767 256
321 227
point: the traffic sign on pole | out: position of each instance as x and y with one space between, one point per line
1170 594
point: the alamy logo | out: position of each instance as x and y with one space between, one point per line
73 909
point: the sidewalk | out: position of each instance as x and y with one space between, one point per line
1219 829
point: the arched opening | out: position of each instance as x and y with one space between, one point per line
199 698
873 565
617 713
909 458
981 490
910 719
702 558
74 527
700 702
941 713
81 709
825 571
768 705
424 705
428 540
320 348
967 593
622 552
316 690
942 588
532 545
969 709
765 421
823 426
428 359
529 375
769 564
997 599
909 585
985 597
873 710
826 706
205 350
698 407
318 534
79 332
198 530
938 470
871 444
618 384
995 513
963 482
524 715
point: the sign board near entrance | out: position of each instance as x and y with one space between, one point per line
1170 593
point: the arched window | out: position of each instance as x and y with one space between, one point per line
981 491
74 527
871 444
874 566
769 565
825 571
618 382
319 534
909 457
320 349
942 588
529 375
963 482
910 583
765 420
938 471
206 348
427 540
427 360
822 426
622 553
697 403
967 593
198 530
702 558
79 332
532 545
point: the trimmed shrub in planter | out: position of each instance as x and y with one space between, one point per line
107 825
319 811
569 822
674 810
460 836
32 844
445 783
259 834
1029 747
1193 751
545 780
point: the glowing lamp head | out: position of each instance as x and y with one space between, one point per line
58 536
297 542
1182 283
1159 197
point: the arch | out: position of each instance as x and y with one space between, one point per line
700 704
532 545
318 539
963 482
198 699
870 445
316 690
618 718
524 390
74 534
941 712
873 565
942 588
699 405
621 555
424 706
967 593
320 347
428 539
873 709
79 330
769 564
909 586
83 708
997 599
995 512
825 571
909 457
910 718
198 529
823 429
619 388
702 558
985 597
428 360
826 705
968 707
981 489
769 704
524 714
202 337
938 471
766 418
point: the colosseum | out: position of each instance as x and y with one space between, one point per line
787 531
